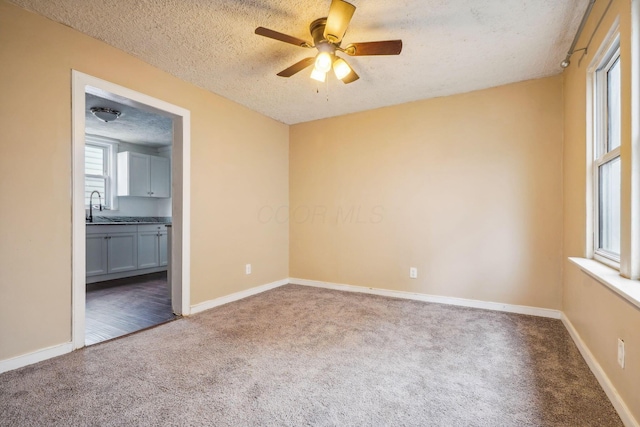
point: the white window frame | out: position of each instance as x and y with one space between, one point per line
110 147
626 283
597 140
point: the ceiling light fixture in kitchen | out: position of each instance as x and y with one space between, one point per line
105 114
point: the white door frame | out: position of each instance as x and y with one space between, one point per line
181 197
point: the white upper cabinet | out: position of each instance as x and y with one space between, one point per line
160 177
143 175
137 167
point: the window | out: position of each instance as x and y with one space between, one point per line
606 161
99 172
96 172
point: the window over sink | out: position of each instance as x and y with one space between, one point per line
99 171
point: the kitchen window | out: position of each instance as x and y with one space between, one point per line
99 172
606 155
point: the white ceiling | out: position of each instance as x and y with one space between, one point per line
450 46
135 125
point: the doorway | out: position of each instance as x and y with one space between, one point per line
178 273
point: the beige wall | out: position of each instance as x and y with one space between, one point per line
599 315
239 163
466 188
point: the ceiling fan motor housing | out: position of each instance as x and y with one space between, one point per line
316 28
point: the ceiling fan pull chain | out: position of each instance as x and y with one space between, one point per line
326 83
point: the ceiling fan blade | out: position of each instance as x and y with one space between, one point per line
388 47
351 77
261 31
340 14
298 66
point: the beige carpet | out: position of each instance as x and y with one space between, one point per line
304 356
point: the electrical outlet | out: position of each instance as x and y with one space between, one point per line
247 269
621 353
413 273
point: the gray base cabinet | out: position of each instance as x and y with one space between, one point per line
111 249
163 250
152 246
117 251
122 252
96 254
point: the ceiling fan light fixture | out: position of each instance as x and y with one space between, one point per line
318 75
105 114
341 68
323 62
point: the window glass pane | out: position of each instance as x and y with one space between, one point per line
609 215
94 159
613 106
91 184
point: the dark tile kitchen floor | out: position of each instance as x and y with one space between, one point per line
120 307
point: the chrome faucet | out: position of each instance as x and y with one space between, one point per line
90 217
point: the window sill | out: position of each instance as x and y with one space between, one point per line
626 288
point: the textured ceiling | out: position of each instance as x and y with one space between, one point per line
450 46
134 125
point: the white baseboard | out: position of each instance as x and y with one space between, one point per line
34 357
623 411
206 305
496 306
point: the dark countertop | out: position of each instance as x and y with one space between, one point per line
129 220
126 223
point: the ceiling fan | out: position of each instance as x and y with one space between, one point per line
327 36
